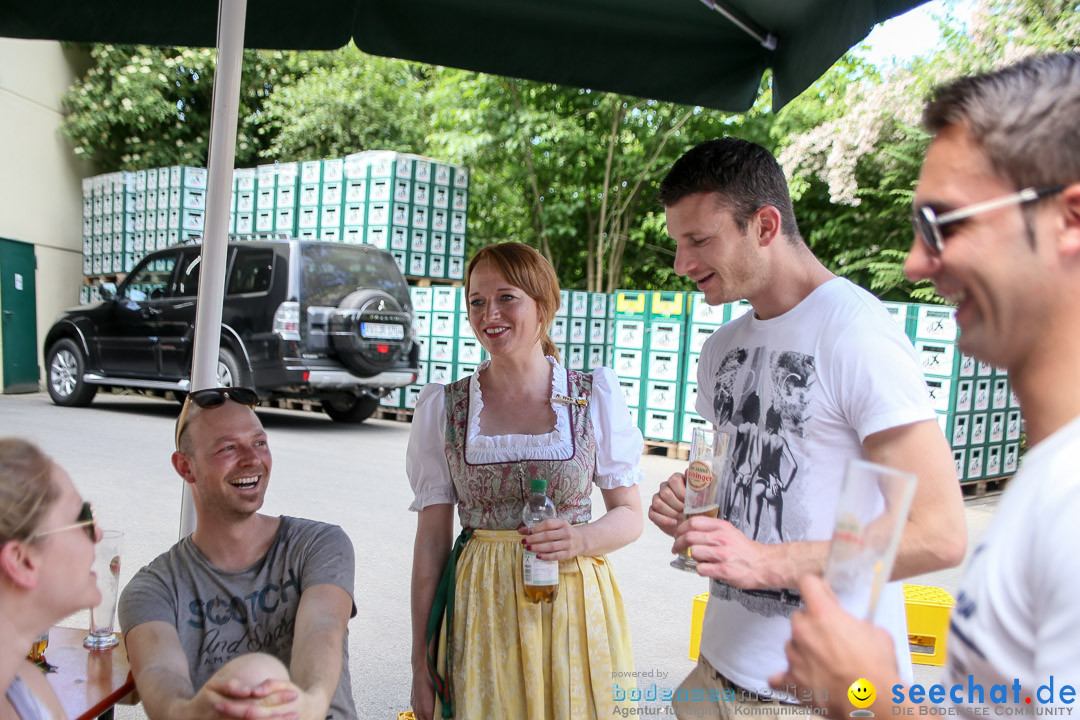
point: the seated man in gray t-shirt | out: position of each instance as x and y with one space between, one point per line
200 620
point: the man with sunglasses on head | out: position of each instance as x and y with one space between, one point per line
207 622
997 230
825 375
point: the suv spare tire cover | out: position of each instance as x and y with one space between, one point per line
361 362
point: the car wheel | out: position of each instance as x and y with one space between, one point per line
350 408
229 373
66 367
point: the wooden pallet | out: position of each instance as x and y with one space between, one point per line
295 404
391 413
984 487
672 450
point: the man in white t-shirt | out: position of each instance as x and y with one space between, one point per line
817 374
997 230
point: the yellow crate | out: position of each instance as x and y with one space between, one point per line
631 303
697 617
927 610
669 304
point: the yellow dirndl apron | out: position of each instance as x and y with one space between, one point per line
502 656
512 658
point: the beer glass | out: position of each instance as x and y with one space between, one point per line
704 481
870 516
107 569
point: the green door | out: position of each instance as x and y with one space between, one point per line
18 317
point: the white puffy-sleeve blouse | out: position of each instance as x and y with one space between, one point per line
618 441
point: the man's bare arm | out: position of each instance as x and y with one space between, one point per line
321 622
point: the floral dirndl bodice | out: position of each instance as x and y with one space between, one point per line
491 495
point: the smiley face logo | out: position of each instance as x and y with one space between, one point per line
862 693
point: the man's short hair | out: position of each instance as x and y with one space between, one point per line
1024 117
746 175
185 443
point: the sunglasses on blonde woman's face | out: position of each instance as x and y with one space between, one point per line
86 521
212 398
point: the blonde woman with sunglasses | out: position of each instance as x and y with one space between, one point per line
47 537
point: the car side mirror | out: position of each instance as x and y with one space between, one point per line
108 291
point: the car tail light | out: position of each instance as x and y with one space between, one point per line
383 348
287 321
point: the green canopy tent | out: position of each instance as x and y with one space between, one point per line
697 52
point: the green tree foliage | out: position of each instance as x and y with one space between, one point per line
353 102
141 106
573 171
853 147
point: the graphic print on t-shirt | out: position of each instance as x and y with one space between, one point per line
261 621
764 398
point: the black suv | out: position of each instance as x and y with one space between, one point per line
301 319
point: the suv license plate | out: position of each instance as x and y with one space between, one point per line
382 331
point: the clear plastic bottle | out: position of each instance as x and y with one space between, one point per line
541 577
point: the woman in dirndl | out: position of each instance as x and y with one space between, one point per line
486 651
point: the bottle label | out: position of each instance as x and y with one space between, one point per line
540 572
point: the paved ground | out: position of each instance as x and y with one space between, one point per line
118 449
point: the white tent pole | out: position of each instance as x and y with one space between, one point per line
224 113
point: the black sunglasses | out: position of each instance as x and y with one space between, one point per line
928 223
86 520
212 398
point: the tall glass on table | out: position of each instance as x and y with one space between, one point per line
107 569
705 480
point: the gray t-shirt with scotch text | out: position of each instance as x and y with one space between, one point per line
220 615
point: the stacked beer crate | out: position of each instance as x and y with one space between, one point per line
580 329
126 214
649 341
412 206
264 200
975 405
108 206
448 348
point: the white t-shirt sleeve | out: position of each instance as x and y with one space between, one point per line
875 373
618 441
425 458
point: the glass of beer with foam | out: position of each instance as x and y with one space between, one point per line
704 481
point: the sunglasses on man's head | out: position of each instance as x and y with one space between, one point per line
928 223
86 520
212 398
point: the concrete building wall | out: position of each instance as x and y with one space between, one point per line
40 178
